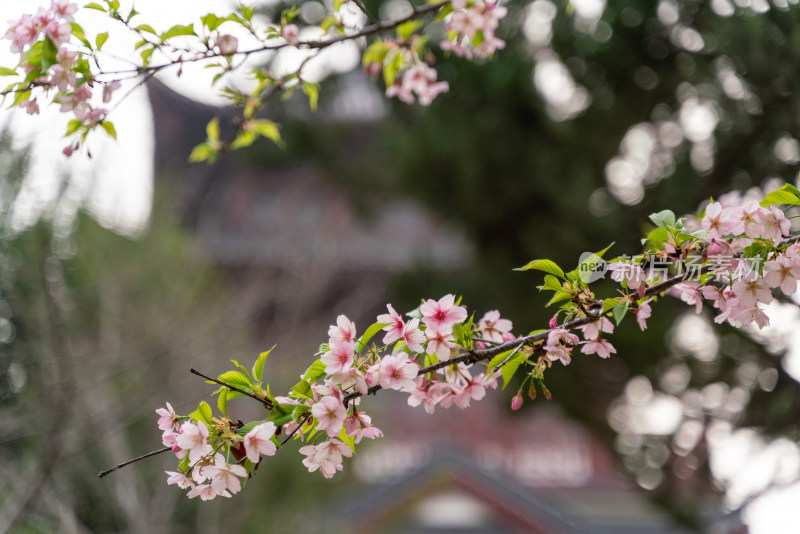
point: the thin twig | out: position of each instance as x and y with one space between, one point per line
123 464
300 424
266 402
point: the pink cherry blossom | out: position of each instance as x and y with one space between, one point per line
343 330
31 106
782 272
227 44
22 33
689 293
716 220
474 389
425 394
419 79
225 476
206 492
351 377
193 438
168 419
258 441
750 291
559 344
601 347
775 224
359 425
748 219
592 330
63 9
413 336
329 413
58 32
108 91
397 372
442 315
440 343
339 357
327 457
289 32
183 481
492 327
643 313
395 326
627 272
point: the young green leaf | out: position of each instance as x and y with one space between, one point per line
663 218
235 378
361 343
619 312
547 266
779 197
222 401
258 367
511 367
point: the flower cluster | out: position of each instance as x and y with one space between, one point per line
53 63
471 28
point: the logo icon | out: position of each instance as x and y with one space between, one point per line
591 267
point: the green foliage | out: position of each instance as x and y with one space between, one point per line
547 266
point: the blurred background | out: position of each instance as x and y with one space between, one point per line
119 274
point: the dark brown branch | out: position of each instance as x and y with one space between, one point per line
266 402
123 464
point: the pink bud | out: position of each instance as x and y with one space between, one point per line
516 402
554 321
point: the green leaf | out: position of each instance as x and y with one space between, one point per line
93 5
280 419
312 92
511 367
656 238
101 39
791 189
463 333
72 127
109 128
391 64
547 266
619 312
203 152
258 367
779 197
303 389
235 378
299 410
551 282
405 30
5 71
222 401
663 218
268 129
247 428
211 21
609 304
177 30
370 332
212 129
203 413
558 297
497 360
146 53
49 51
315 372
145 28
